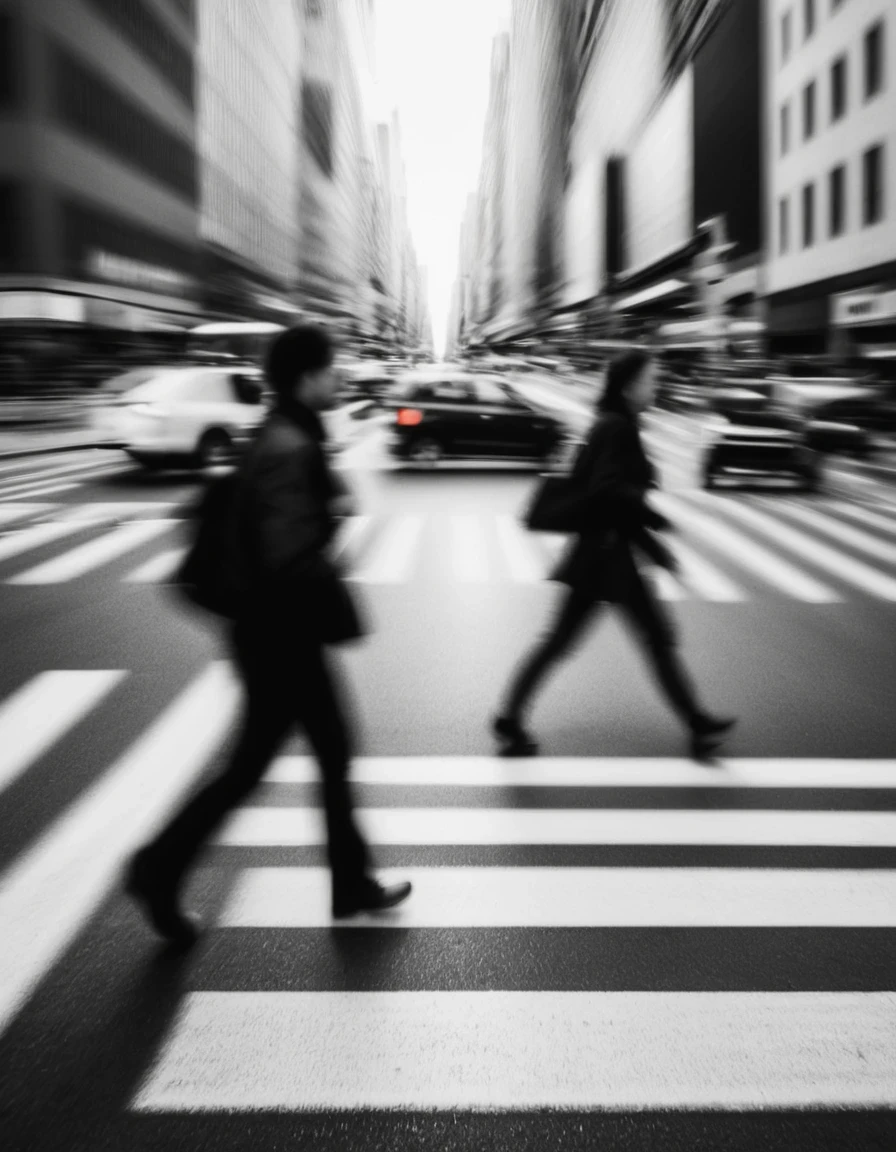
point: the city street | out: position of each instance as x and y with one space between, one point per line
609 945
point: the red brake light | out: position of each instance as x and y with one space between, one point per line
408 417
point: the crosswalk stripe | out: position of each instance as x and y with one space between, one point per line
95 553
393 556
524 562
350 533
667 587
468 550
843 533
35 487
37 535
521 897
13 512
159 569
865 515
764 564
837 563
121 510
38 490
596 772
293 827
47 894
521 1051
35 717
704 578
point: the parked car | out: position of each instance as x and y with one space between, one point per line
195 415
747 437
468 415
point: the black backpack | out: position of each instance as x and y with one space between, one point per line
214 573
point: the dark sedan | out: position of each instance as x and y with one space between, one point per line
466 416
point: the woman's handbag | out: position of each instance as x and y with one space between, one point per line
560 504
329 611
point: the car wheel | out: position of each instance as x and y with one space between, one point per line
426 450
215 449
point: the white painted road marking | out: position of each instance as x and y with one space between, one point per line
595 772
766 565
92 555
393 557
837 563
521 897
35 717
48 893
496 1050
292 827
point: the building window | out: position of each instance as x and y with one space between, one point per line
809 17
837 198
809 110
135 21
90 107
783 225
873 185
874 60
317 124
785 129
838 89
808 215
786 22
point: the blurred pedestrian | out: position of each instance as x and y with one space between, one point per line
614 475
296 604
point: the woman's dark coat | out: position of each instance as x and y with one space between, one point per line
613 469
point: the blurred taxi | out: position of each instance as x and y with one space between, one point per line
441 413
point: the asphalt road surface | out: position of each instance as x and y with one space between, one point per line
607 946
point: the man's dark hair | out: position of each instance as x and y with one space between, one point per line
305 348
621 374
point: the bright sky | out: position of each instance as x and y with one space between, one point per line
432 60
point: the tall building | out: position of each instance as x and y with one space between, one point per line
248 87
339 266
492 254
831 162
99 192
538 124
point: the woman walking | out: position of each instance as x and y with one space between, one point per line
614 475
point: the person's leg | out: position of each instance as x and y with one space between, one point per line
657 634
326 725
323 716
270 712
575 609
655 629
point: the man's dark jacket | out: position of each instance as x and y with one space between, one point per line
613 469
287 492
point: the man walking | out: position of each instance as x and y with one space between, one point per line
296 603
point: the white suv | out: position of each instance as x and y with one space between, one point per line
186 415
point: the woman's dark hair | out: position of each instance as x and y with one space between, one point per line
294 352
621 374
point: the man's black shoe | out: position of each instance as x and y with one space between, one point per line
159 903
373 897
515 740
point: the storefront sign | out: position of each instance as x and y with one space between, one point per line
41 306
138 274
864 308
